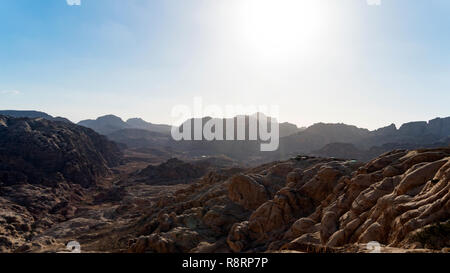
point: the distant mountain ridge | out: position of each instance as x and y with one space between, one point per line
110 123
32 114
413 135
334 140
138 123
105 124
325 139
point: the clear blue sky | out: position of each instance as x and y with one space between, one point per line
319 60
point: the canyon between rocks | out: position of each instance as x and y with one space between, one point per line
61 182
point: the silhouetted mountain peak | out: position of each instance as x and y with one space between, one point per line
388 130
109 124
110 118
136 121
139 123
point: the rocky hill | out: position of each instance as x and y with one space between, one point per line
37 151
175 171
31 114
46 168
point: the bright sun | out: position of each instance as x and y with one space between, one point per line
282 28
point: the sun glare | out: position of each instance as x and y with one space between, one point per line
281 29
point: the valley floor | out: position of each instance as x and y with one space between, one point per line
305 204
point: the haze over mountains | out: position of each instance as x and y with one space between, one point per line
313 137
332 140
108 124
367 144
335 140
31 114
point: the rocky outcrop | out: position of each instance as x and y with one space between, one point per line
45 170
173 171
309 204
38 151
386 200
247 191
439 126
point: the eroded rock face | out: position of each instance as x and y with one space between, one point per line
379 204
247 191
308 204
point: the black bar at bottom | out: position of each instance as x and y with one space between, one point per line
130 263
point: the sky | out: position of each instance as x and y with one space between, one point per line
317 60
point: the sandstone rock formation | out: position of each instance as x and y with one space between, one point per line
308 204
